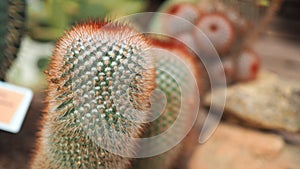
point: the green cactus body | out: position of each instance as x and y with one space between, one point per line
12 16
168 83
90 66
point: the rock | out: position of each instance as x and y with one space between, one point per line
232 147
268 102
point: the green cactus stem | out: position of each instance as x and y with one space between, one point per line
168 83
88 76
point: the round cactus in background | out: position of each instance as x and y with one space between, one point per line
219 30
187 11
248 65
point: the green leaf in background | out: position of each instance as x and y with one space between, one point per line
49 19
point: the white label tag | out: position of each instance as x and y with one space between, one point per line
14 103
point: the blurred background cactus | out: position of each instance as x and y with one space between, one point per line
172 83
12 19
232 26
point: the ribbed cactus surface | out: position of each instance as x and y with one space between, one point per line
12 16
100 76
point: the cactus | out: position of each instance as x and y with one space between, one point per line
187 11
90 66
248 65
219 29
89 72
166 82
12 17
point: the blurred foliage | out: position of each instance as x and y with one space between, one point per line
48 19
264 3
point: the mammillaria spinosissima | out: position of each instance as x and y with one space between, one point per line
90 71
186 11
248 65
12 19
218 28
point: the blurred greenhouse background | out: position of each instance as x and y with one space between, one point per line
260 127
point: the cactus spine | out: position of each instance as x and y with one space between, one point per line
90 69
12 17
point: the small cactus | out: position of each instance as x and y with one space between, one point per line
218 28
248 65
187 11
89 75
12 17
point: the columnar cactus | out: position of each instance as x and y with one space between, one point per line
94 67
12 16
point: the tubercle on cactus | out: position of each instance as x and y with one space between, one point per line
88 77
